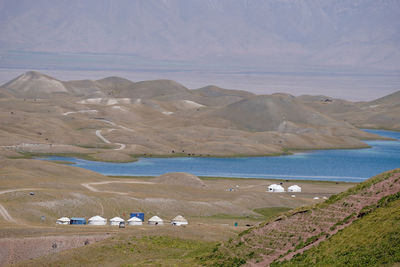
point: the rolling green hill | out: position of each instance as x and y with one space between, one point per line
373 240
359 227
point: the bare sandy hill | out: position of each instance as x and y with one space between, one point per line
392 99
181 179
157 89
39 173
4 93
271 112
115 86
215 91
86 88
327 105
215 96
34 84
380 113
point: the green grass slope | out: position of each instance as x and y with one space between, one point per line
358 227
373 240
130 251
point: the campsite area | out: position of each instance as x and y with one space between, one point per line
212 206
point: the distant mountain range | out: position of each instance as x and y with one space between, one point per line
279 33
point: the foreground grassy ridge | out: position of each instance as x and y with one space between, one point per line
264 214
131 251
361 186
250 246
373 240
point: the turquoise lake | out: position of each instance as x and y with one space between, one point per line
351 165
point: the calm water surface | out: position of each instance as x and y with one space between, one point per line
351 165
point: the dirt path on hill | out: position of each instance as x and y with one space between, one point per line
3 211
98 132
5 214
90 187
105 140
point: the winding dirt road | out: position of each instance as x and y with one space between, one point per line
98 132
3 211
90 187
105 140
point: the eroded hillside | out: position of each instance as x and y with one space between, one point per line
299 230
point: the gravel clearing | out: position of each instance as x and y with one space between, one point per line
14 250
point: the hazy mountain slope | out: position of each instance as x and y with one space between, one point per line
34 84
380 113
115 86
215 96
334 33
86 88
159 89
299 230
4 94
215 91
392 99
272 112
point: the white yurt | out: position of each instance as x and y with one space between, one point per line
179 220
63 220
135 221
155 220
275 188
116 220
97 220
316 198
294 188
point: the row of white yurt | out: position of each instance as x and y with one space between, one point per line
97 220
276 188
179 220
155 220
279 188
135 221
294 188
63 220
116 221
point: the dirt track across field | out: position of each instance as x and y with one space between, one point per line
90 187
3 211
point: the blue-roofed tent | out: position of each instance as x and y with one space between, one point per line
75 220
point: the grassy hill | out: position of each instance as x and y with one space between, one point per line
373 240
357 228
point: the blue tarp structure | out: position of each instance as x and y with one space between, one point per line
75 220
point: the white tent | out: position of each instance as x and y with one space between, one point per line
135 221
294 188
97 220
155 220
116 220
179 220
63 220
275 188
316 198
